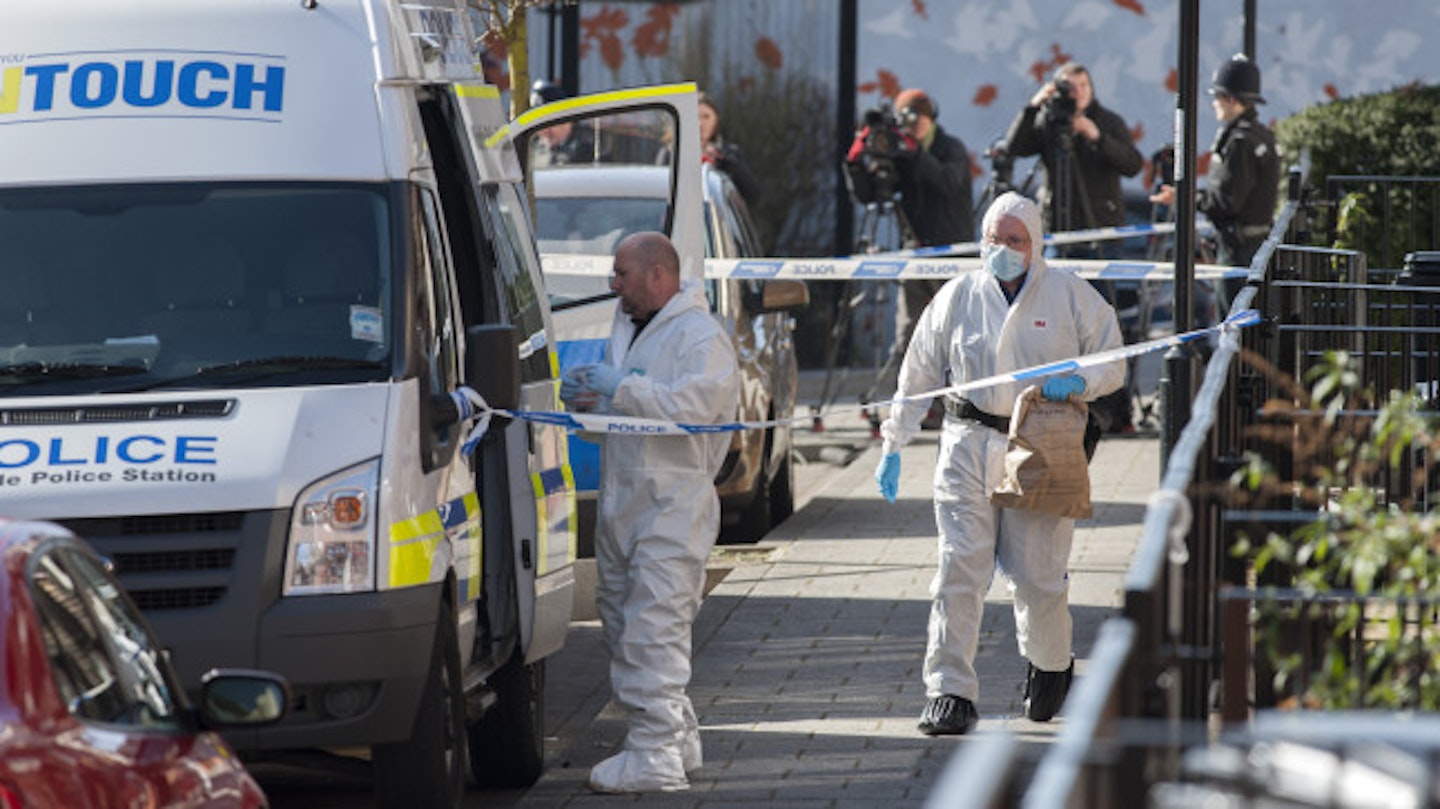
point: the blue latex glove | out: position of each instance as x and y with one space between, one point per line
603 379
1059 388
570 386
887 475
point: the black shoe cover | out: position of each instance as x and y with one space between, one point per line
948 715
1045 691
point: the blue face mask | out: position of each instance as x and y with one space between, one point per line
1003 262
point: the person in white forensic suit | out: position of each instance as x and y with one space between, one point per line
668 359
1016 314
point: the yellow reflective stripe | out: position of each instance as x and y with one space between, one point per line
412 547
477 90
584 101
572 526
475 567
542 522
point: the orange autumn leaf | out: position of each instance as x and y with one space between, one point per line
601 29
920 10
768 53
605 21
1172 81
889 83
652 38
1331 91
1137 132
985 95
1038 70
612 53
1132 5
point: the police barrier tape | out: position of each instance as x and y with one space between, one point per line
472 405
1063 237
877 268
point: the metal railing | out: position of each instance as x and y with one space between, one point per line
1183 647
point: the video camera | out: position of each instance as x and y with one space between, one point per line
1061 106
1002 163
871 173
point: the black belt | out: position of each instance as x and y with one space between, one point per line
965 409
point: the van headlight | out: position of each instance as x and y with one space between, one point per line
332 534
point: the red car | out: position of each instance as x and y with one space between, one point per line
90 712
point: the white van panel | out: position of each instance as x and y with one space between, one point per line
273 444
255 92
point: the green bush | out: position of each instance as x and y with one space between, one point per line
1392 134
1367 572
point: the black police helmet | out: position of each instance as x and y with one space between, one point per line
543 92
1238 78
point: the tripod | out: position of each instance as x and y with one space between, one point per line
882 216
1002 172
1066 188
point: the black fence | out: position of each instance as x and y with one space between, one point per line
1177 683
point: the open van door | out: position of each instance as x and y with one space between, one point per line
641 145
640 127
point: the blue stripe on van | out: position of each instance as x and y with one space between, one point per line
584 455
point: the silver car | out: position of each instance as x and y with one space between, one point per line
587 210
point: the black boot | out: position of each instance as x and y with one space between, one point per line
1045 691
948 715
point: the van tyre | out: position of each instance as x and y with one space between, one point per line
507 745
428 769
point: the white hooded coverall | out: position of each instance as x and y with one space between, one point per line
968 332
658 511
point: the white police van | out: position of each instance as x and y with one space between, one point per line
248 251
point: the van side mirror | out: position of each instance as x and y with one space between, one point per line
492 364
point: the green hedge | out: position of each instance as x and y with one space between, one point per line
1392 134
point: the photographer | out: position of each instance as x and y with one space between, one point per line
1085 148
931 173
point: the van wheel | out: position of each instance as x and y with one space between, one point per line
782 492
428 769
507 745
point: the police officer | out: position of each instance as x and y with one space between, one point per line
1244 176
565 142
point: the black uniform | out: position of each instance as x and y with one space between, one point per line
1095 200
1241 187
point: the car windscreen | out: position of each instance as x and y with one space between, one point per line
590 226
122 288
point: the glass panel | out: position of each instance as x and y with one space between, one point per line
136 656
136 287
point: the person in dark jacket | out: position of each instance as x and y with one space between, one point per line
724 154
933 177
1243 181
1085 147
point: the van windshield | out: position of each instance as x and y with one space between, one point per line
128 288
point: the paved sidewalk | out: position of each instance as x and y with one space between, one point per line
807 655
